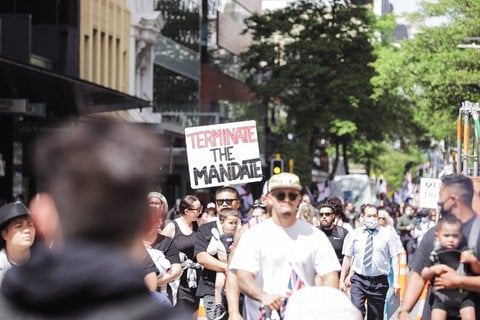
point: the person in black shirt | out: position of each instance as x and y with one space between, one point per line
455 198
334 233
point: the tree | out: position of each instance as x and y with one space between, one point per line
428 77
315 58
429 73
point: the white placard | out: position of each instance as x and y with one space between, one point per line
223 154
429 189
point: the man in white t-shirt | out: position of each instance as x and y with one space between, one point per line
282 254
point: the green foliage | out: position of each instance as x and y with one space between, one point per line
429 74
391 163
316 59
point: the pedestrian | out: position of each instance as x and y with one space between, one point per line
18 236
226 198
455 198
282 254
405 226
220 247
260 213
161 248
306 212
183 232
93 179
367 252
335 234
452 301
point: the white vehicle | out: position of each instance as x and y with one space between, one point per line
356 188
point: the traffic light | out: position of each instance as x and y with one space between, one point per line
276 166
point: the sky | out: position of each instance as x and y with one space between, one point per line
401 6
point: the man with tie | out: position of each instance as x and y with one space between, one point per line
368 251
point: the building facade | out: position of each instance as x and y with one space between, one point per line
60 60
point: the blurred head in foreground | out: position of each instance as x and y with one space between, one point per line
93 181
313 303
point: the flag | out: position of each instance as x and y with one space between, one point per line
294 283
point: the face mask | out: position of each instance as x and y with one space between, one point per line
371 223
442 211
425 219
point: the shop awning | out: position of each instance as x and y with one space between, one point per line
63 95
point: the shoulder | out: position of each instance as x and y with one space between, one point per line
207 227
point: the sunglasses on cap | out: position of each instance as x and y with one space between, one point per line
227 201
280 196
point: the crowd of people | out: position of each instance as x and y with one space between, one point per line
99 242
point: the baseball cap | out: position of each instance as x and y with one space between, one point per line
12 210
211 205
284 180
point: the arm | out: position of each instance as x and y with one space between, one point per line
232 293
413 290
174 272
468 257
151 281
344 280
327 280
210 262
396 274
249 286
450 279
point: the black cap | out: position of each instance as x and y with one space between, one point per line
12 210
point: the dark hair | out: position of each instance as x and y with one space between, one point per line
98 174
336 204
365 207
462 184
448 219
325 204
186 203
227 189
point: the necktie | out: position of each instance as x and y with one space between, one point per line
367 258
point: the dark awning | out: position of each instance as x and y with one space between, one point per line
64 95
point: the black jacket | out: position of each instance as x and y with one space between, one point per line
78 282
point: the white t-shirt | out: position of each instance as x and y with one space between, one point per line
4 264
270 252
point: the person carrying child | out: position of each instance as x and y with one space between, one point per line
450 250
220 245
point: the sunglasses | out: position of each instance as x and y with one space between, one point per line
227 201
325 214
280 196
199 209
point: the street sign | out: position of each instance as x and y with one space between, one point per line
223 154
13 105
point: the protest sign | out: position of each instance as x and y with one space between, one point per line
223 154
429 189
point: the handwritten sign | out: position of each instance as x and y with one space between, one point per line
429 189
223 154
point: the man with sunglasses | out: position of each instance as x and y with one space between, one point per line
336 234
226 198
282 254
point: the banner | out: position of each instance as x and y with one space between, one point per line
223 154
429 189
